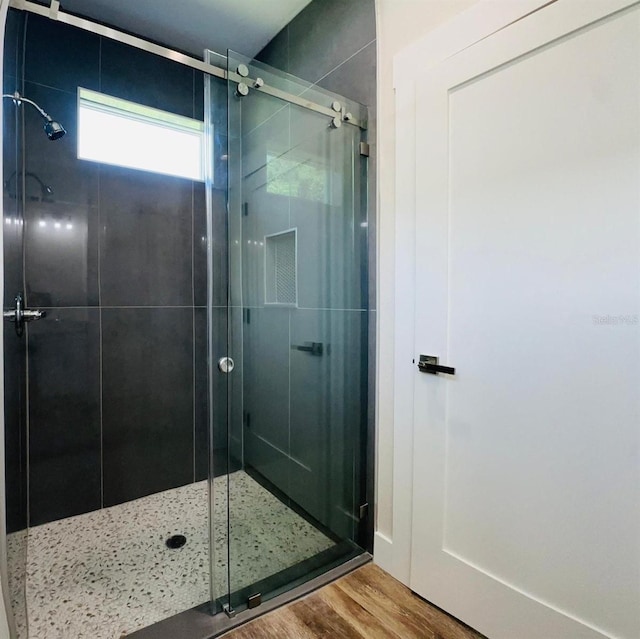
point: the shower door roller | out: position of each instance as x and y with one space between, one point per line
226 364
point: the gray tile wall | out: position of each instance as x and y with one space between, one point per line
331 43
117 371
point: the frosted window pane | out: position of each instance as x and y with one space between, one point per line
114 138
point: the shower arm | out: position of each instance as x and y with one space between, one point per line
18 99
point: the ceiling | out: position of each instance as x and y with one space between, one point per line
245 26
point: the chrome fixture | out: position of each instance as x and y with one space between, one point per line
226 364
53 129
20 315
45 190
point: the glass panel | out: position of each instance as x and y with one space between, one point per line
117 452
298 237
220 384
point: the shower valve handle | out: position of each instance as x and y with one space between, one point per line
19 316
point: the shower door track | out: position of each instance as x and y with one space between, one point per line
53 12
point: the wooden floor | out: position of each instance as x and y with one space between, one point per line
366 604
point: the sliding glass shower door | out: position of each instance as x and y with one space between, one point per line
296 331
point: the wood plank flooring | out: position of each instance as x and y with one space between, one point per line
366 604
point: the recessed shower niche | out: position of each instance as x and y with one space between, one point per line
145 484
281 268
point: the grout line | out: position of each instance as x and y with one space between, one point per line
193 318
100 40
345 61
289 48
236 306
100 337
55 308
289 409
46 86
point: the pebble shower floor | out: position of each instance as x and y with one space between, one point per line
107 573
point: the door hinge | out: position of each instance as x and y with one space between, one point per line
245 209
254 601
365 149
364 509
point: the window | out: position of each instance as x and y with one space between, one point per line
116 131
298 177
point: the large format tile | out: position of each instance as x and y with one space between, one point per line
266 374
64 414
351 23
220 255
146 239
15 429
147 79
61 56
266 392
61 254
13 31
12 244
329 256
355 78
147 372
54 171
328 402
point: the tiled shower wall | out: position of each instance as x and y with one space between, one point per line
116 376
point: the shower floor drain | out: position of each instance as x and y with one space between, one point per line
176 541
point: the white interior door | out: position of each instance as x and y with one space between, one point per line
526 508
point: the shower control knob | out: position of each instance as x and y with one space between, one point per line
226 364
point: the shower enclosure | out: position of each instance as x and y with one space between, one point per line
185 424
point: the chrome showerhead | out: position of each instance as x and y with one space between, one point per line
53 129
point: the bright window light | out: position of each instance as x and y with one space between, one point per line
116 131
